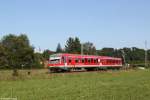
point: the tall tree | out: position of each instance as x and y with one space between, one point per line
73 45
59 49
89 48
69 45
19 51
77 45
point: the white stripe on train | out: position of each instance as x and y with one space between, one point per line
88 66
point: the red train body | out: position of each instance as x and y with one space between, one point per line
67 62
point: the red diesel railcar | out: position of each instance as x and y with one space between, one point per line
68 62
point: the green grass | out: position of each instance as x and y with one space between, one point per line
116 85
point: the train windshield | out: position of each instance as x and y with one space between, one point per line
54 59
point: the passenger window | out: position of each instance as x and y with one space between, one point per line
77 60
94 60
70 60
82 60
89 60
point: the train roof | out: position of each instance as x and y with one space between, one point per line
86 56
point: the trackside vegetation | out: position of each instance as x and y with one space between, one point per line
110 85
16 52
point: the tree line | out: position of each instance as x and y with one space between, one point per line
17 52
131 55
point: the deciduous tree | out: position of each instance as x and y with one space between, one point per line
19 51
89 48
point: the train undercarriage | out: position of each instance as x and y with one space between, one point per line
73 69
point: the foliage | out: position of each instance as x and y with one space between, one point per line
59 49
133 55
73 45
106 52
148 52
89 48
47 53
38 60
16 52
3 57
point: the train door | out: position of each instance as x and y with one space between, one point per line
99 62
69 60
64 60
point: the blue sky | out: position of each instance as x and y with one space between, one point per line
106 23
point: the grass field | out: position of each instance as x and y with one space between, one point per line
111 85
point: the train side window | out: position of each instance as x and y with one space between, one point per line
70 60
77 60
94 60
89 60
83 60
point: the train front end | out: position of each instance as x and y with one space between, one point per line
57 63
54 62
